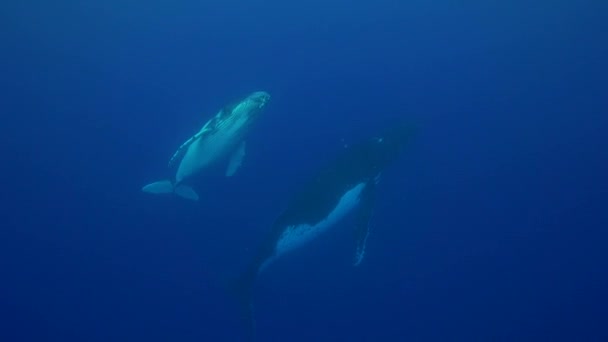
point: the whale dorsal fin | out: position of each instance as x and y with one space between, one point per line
184 147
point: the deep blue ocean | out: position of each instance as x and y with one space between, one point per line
492 226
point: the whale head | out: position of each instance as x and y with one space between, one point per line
386 148
252 105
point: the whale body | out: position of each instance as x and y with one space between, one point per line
221 136
344 186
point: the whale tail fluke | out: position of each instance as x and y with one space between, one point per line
160 187
167 187
186 192
241 289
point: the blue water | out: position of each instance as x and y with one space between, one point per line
491 227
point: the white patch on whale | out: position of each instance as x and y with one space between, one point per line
297 235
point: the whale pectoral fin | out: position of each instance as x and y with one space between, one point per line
236 160
364 215
184 147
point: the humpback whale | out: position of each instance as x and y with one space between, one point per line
345 185
220 136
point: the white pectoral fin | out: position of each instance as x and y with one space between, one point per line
362 235
236 160
363 223
160 187
186 192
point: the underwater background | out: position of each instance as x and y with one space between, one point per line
491 227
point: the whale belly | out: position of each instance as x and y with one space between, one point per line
296 236
208 149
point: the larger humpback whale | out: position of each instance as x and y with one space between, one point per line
346 185
220 136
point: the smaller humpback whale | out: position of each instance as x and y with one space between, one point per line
346 185
220 136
